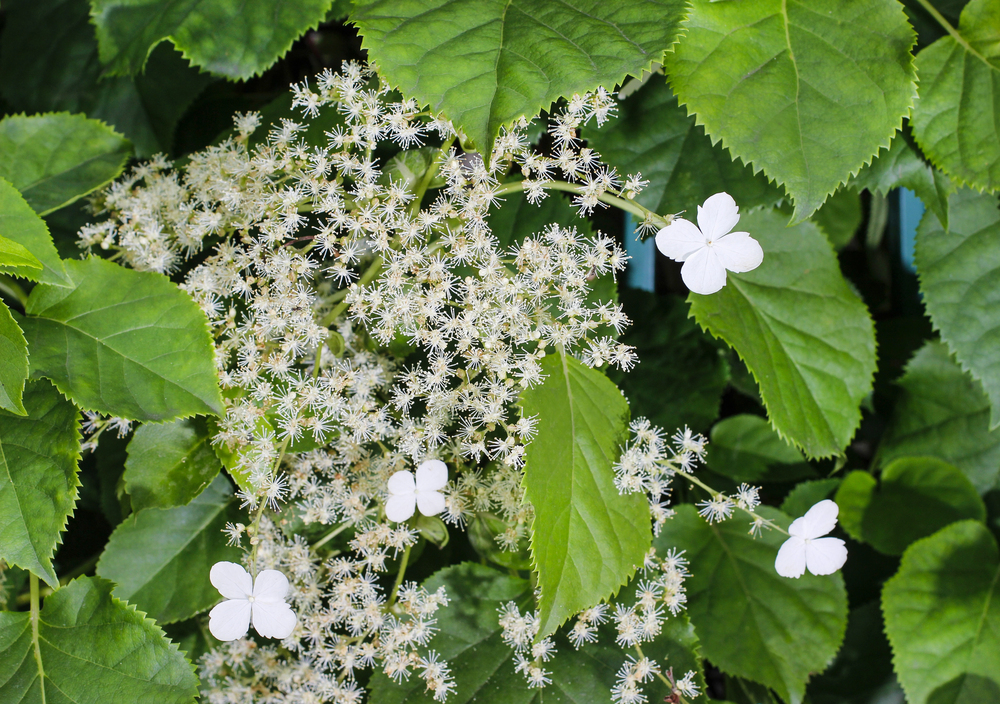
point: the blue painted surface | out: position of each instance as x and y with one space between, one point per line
641 271
911 209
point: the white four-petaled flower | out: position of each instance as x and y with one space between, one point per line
709 251
807 548
261 601
405 494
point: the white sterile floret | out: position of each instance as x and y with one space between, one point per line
405 494
807 548
261 601
707 252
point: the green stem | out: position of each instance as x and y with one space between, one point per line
254 529
371 272
429 175
331 535
620 203
399 577
956 35
33 580
712 492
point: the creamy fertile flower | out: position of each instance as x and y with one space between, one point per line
405 494
807 548
261 601
707 252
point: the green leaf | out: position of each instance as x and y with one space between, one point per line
942 616
840 217
13 363
676 359
93 649
515 219
901 167
955 119
469 639
586 539
745 448
959 270
56 158
20 224
916 497
38 478
123 342
229 38
169 464
38 74
805 495
486 63
942 412
808 91
654 135
807 338
14 256
750 621
160 558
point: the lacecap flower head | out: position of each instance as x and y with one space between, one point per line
261 601
806 546
407 494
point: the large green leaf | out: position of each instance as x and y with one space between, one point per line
745 448
807 338
38 478
942 616
807 90
39 74
160 558
586 539
13 362
20 224
92 649
14 256
654 135
57 158
942 412
955 120
227 37
750 621
840 217
123 342
901 167
959 270
169 464
916 497
469 639
486 63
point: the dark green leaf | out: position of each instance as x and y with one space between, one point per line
942 616
586 537
169 464
653 135
916 497
807 338
93 649
840 217
123 342
746 448
805 495
160 558
806 91
38 478
486 63
20 224
942 412
13 363
229 38
955 119
56 158
515 219
750 621
959 269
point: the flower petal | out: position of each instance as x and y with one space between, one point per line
718 215
819 520
230 619
400 508
273 619
679 240
791 559
431 503
270 585
825 555
401 483
232 581
739 252
703 273
432 475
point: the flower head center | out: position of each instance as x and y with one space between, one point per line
250 599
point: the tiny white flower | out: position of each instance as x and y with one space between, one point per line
405 494
807 548
709 251
261 600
